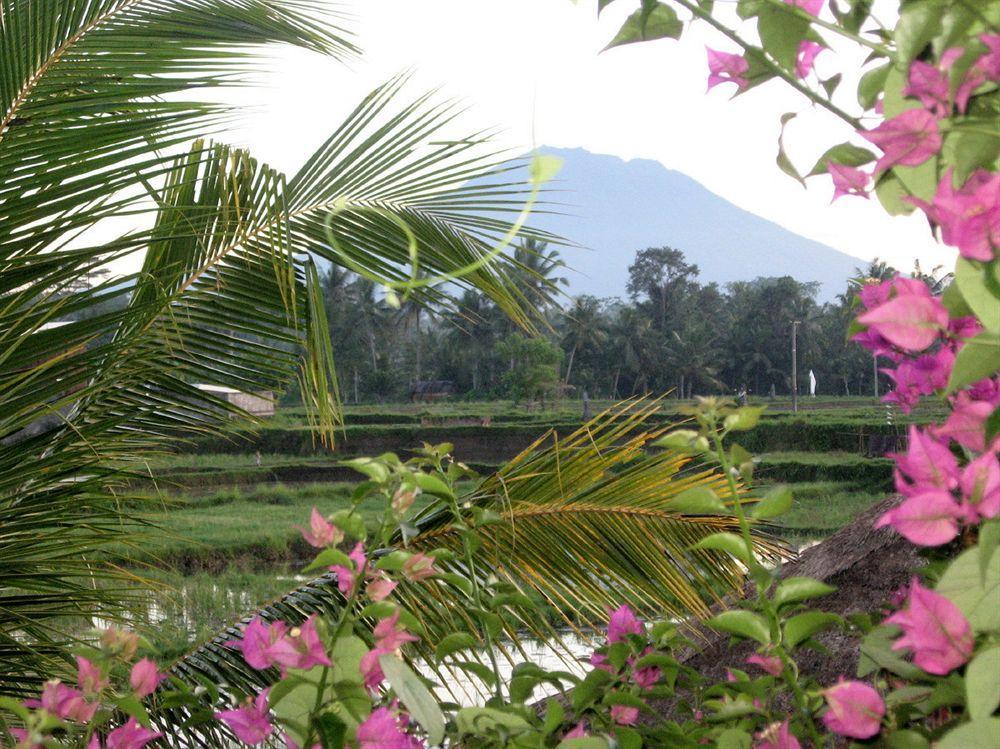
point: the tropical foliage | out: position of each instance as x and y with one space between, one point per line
98 112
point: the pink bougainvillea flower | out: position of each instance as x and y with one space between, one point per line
419 567
600 661
927 462
874 293
381 730
579 731
64 702
390 636
969 217
299 648
130 736
645 677
909 321
806 57
347 577
255 642
371 670
769 663
624 715
27 740
989 63
847 180
980 486
929 518
813 7
855 709
380 588
250 722
119 642
89 678
908 139
145 678
777 736
921 376
622 623
934 630
724 67
929 84
321 533
965 423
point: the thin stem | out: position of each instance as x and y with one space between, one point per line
816 21
774 67
789 669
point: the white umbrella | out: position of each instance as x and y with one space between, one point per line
812 384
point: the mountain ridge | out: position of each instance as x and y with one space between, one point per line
612 208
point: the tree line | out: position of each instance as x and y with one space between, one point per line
672 333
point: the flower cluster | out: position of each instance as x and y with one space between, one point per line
63 711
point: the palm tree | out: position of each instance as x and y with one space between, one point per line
583 328
537 266
226 290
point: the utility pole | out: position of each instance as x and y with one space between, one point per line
795 367
875 374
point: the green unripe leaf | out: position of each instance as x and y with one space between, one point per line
776 502
654 20
795 589
698 500
907 740
328 558
803 626
847 154
415 695
982 684
727 542
972 279
978 359
743 624
978 733
454 643
433 485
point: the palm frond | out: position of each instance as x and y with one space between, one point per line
457 196
585 523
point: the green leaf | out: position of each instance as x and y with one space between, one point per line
776 502
891 193
978 359
795 589
907 739
975 595
877 653
654 20
971 279
587 742
331 729
328 558
801 627
130 705
454 643
970 150
982 684
370 467
733 738
978 733
680 439
744 418
727 542
743 623
415 696
781 31
698 500
871 84
784 163
919 22
485 721
555 713
544 167
847 154
433 485
989 540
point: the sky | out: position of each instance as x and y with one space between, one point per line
535 70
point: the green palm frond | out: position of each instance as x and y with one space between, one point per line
457 196
584 522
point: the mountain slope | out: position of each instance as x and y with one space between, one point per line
613 208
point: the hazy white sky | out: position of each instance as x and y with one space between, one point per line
533 68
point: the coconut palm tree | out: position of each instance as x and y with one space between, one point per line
583 328
217 280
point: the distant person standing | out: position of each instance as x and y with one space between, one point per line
741 395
